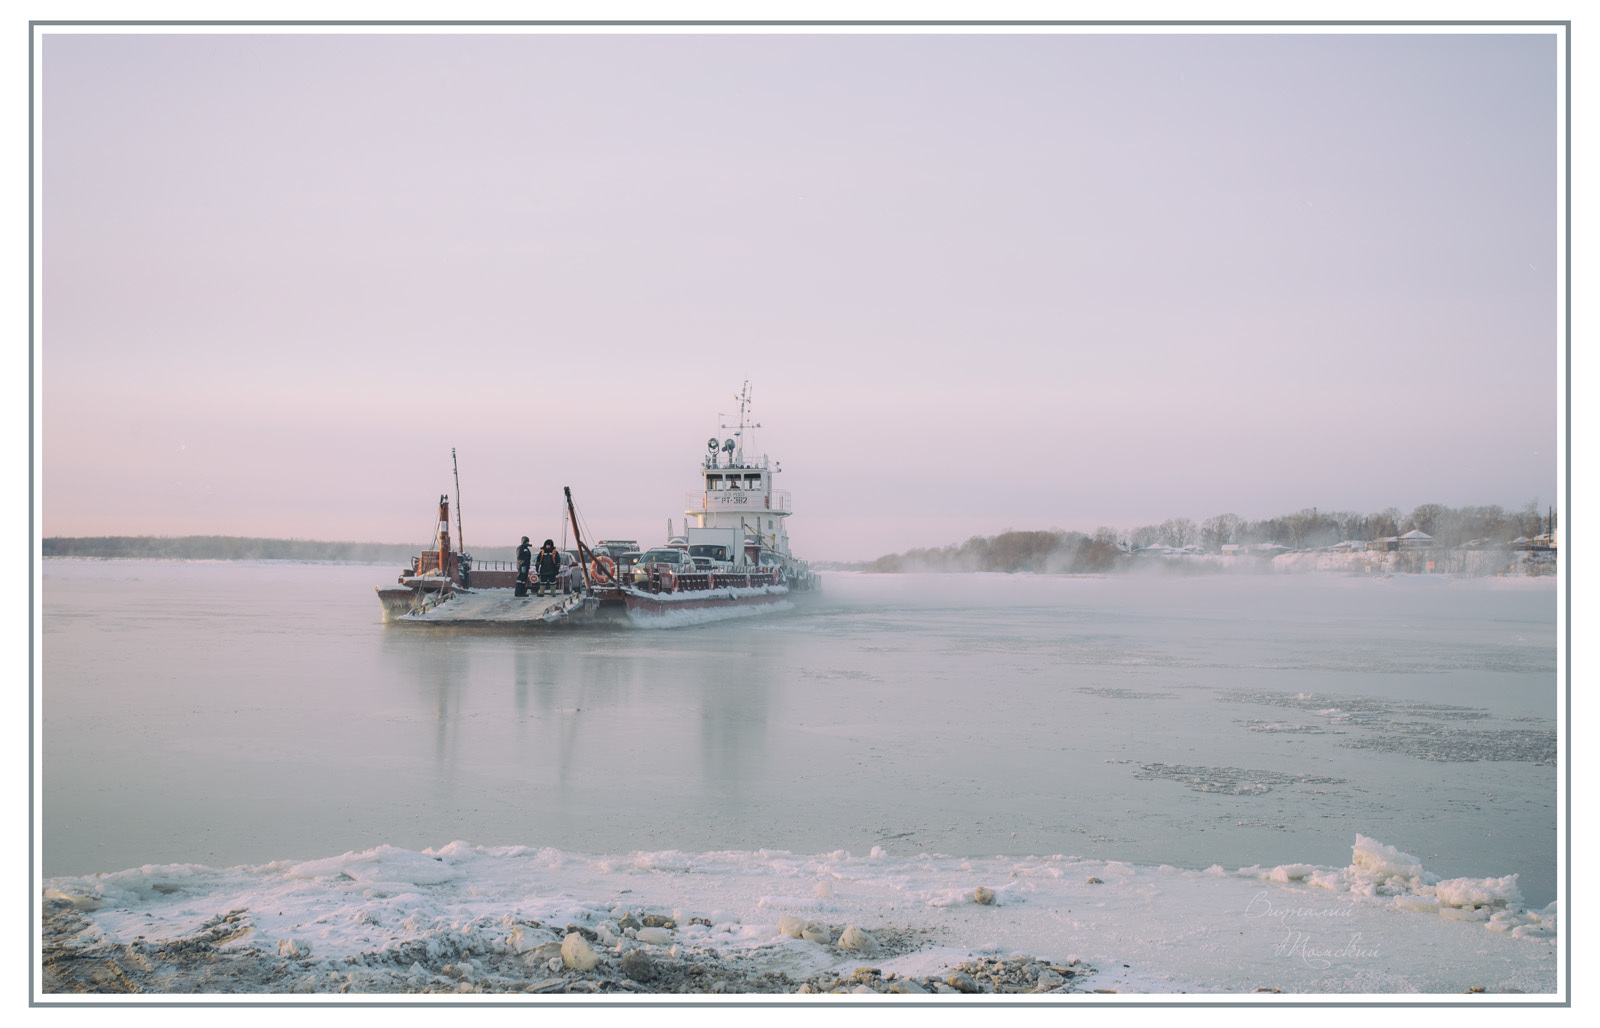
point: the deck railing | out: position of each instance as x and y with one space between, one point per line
702 581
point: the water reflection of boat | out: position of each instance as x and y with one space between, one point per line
735 559
550 713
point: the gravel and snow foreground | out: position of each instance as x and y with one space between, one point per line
467 919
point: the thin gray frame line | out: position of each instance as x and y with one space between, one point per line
33 894
1566 914
845 24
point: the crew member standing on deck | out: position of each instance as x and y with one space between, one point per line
549 563
524 561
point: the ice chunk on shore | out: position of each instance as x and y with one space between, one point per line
1479 892
664 860
1291 872
1375 860
1384 875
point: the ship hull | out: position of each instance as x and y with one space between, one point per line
502 608
492 608
749 599
397 600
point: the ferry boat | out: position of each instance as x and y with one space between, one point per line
734 559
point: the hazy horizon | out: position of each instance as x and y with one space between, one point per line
484 547
977 282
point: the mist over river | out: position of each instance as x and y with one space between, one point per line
224 713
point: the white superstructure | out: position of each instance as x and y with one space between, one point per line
739 506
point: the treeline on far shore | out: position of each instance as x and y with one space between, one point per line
1052 551
1057 551
229 547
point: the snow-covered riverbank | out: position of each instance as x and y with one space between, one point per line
465 919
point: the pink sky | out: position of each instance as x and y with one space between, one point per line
977 283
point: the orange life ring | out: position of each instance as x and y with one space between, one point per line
669 581
603 568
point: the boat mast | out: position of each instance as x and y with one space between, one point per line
577 537
461 540
744 404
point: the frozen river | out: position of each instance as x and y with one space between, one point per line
229 713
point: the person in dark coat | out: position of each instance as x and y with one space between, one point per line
524 561
548 562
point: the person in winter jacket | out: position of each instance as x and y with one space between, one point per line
524 561
548 562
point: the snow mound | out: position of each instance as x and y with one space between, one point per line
382 864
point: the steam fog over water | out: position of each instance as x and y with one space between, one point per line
228 713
